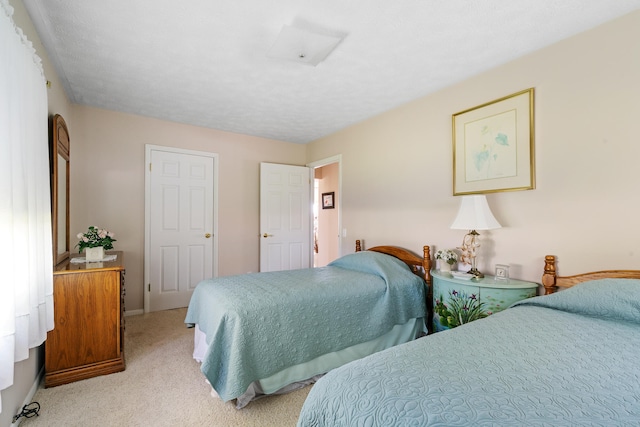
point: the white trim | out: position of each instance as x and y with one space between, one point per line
147 214
133 312
324 162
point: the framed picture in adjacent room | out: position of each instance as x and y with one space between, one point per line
328 200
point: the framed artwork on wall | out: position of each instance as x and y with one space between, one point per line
493 146
327 200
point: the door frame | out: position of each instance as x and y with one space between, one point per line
318 164
147 210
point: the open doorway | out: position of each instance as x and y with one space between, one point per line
326 211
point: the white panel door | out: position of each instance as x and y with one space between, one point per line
181 227
285 217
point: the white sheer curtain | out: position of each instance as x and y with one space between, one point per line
26 258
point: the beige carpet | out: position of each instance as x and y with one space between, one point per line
162 386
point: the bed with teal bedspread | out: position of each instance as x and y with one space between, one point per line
258 324
570 358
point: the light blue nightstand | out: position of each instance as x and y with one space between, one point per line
458 301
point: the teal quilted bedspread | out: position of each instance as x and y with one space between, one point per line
567 359
258 324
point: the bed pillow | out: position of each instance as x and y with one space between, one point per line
614 299
372 263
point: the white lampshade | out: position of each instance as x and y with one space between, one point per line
474 214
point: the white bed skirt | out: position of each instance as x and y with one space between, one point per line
298 376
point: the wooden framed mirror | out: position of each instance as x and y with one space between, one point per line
59 159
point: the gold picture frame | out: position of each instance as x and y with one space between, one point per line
493 146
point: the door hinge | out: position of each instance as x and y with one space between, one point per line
149 287
150 167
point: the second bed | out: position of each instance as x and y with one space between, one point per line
265 333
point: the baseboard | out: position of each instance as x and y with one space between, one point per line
32 392
133 312
64 376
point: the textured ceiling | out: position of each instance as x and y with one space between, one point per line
204 62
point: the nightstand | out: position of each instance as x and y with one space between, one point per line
458 301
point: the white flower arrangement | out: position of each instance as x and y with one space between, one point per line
95 237
447 255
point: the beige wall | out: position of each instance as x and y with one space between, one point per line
107 184
397 167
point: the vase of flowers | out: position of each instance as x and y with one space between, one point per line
447 258
94 254
94 242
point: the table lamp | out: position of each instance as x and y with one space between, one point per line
474 214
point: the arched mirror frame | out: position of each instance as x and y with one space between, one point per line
60 189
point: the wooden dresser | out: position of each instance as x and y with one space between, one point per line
88 335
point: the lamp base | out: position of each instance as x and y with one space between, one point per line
475 273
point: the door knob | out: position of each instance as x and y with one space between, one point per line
207 235
265 235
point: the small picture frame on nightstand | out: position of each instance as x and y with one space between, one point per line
502 272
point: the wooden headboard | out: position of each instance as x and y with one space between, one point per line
551 281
